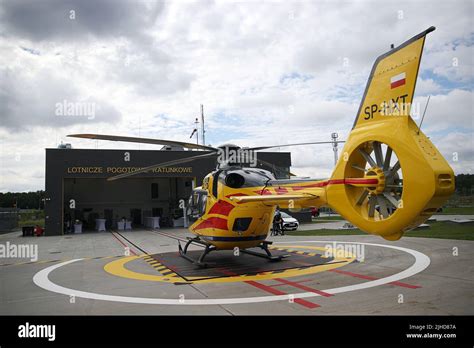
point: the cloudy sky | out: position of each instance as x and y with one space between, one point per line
267 72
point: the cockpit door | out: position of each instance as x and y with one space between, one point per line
196 205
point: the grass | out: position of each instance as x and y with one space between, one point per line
458 211
445 230
35 222
324 232
323 219
442 230
31 218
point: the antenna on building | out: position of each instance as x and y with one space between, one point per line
196 130
202 125
334 137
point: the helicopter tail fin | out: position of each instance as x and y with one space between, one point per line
412 178
391 84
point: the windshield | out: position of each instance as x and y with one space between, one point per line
196 205
285 215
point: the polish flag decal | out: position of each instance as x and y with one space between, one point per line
397 80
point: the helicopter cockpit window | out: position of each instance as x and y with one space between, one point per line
196 205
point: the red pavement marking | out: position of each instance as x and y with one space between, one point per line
405 285
269 289
304 287
299 282
125 245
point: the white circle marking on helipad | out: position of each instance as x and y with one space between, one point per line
422 261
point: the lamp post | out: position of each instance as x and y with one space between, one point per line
334 137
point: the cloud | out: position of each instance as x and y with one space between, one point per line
136 60
53 19
29 100
445 111
453 62
427 86
266 72
458 149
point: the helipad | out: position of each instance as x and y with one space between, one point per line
97 278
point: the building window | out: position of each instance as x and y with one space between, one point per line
154 191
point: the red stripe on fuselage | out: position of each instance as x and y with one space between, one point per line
221 208
213 222
281 190
337 182
263 192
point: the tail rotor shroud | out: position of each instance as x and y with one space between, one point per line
412 178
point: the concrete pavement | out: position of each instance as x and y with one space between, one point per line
444 287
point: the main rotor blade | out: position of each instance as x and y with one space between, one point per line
164 164
297 144
143 140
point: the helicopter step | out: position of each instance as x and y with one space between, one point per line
268 255
208 248
196 240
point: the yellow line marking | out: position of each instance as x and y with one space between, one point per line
117 268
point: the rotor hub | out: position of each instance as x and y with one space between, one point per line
376 173
379 194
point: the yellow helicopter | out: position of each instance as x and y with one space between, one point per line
389 179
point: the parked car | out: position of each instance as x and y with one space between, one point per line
289 222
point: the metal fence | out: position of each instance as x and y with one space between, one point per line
8 219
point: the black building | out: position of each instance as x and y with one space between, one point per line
77 189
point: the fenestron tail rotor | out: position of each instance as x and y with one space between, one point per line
376 160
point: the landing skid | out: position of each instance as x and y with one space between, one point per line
208 248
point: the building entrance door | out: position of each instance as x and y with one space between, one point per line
136 216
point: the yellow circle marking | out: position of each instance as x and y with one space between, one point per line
118 268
